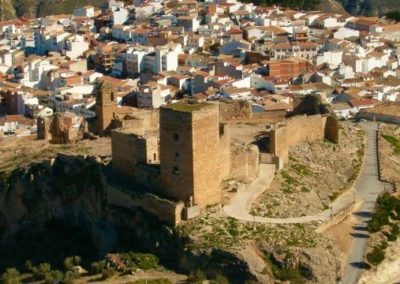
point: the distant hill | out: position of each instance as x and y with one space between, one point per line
370 7
37 8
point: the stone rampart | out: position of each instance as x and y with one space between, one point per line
299 129
235 110
166 210
245 162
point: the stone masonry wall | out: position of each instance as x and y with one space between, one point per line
43 128
301 128
332 129
127 151
235 110
206 156
245 161
225 151
190 154
166 210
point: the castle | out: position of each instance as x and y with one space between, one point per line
185 160
182 153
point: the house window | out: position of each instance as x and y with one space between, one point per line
176 137
175 171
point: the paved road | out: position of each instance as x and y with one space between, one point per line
241 202
367 188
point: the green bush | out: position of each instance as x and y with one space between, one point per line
143 261
97 267
54 276
387 206
71 261
42 271
108 273
289 274
154 281
392 236
10 276
376 256
393 15
219 279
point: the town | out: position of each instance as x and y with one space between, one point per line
218 110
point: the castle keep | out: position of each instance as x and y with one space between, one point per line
190 159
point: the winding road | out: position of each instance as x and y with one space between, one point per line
366 189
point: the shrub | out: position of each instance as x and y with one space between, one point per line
392 236
11 276
41 272
376 256
71 261
143 261
28 265
154 281
386 206
197 276
54 276
97 267
108 273
221 279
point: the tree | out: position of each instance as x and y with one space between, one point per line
393 15
376 256
11 276
215 47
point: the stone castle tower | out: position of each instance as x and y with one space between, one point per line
105 106
190 152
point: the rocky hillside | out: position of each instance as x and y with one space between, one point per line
370 7
38 8
43 203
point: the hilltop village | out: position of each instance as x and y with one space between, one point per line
215 116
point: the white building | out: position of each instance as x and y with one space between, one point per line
135 59
330 57
33 74
86 11
153 95
120 16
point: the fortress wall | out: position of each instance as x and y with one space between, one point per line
206 156
166 210
299 129
127 151
225 151
332 129
235 110
245 162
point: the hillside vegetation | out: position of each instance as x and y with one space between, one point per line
39 8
